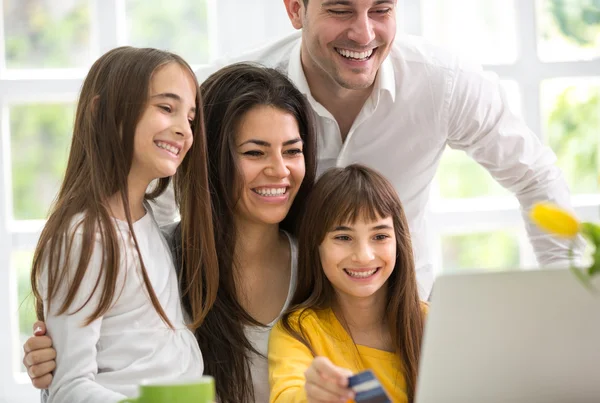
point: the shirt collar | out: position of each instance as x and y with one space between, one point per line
385 81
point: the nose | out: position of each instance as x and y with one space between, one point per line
277 167
361 30
363 253
183 127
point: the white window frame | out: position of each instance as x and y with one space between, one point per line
463 216
261 21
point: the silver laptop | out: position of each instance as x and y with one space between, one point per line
511 337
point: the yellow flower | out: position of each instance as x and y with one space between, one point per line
555 220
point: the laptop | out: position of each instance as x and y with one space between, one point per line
511 337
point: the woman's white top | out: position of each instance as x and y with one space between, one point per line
106 360
259 336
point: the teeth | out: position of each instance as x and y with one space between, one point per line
355 55
360 274
167 147
270 191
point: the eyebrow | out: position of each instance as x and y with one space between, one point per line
375 228
172 96
267 144
349 3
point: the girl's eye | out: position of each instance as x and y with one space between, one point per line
383 11
342 237
165 108
381 237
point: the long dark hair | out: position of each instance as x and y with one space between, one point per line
113 98
342 195
228 95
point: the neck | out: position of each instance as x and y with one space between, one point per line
135 192
250 251
339 101
362 315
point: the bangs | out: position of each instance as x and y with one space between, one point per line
358 195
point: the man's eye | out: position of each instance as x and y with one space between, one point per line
339 12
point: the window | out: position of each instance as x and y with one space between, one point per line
546 53
46 48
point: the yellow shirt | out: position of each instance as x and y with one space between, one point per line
289 359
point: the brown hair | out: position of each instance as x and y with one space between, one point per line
113 98
340 196
228 95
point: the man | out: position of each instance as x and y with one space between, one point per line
394 104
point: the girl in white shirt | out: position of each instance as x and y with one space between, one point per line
102 275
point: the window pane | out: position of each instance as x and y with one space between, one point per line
40 141
571 110
482 30
20 262
459 176
182 27
480 251
568 30
46 34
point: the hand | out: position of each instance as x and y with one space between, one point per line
326 382
39 357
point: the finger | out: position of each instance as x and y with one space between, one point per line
317 393
39 328
38 357
40 370
313 377
37 343
331 372
42 382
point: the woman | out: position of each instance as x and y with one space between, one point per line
262 163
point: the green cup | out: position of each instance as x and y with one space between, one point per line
198 390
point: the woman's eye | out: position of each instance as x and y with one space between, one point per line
253 153
342 237
295 151
165 108
381 237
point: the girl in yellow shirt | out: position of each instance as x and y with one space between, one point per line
356 305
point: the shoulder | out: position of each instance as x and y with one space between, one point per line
275 54
171 232
307 320
410 50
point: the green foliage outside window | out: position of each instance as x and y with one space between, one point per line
46 34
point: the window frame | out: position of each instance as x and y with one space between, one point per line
461 216
108 30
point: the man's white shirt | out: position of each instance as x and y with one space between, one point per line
423 99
